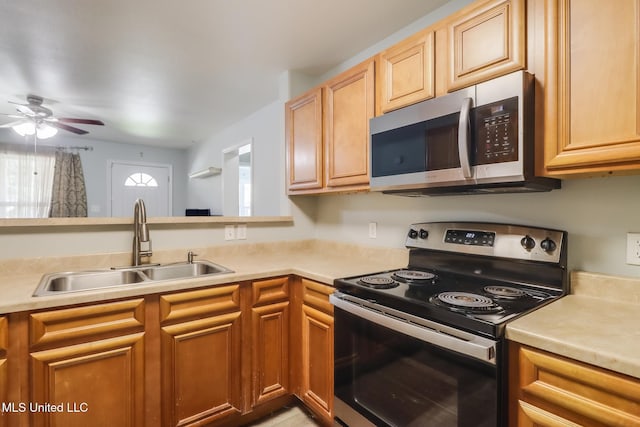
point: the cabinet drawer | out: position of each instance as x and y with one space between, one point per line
82 323
553 388
269 291
317 295
199 303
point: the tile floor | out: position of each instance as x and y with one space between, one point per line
291 416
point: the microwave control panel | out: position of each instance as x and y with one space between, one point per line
496 132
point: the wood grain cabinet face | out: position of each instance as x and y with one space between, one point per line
86 366
4 375
327 134
200 356
303 133
348 106
406 73
586 55
270 339
486 41
548 391
317 348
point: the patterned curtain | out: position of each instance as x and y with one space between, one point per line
69 197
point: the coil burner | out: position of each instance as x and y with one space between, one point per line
505 292
466 302
378 282
414 277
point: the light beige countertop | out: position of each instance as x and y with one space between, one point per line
598 323
318 260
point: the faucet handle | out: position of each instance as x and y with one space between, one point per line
190 256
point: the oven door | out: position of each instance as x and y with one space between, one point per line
394 369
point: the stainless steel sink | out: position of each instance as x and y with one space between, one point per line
184 270
57 283
83 281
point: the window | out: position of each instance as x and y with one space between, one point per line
140 179
26 183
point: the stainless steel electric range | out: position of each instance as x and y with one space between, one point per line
424 345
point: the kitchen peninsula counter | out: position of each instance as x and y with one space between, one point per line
598 323
319 260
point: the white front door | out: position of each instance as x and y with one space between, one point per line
147 181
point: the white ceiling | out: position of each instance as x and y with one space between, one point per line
170 73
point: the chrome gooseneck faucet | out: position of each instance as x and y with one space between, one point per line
141 240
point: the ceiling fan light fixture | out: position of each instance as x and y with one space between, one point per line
42 130
25 129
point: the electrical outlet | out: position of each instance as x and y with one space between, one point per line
373 230
229 232
241 231
633 248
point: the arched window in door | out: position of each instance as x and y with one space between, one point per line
140 179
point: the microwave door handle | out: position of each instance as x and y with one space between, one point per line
464 126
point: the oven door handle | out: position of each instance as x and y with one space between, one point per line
427 331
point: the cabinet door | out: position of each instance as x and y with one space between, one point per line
91 361
98 383
317 360
270 338
486 40
303 135
201 370
4 384
406 72
270 351
550 390
348 106
201 352
587 63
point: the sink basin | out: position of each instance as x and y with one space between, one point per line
184 270
57 283
82 281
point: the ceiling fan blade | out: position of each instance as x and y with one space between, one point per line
12 124
68 128
80 121
13 116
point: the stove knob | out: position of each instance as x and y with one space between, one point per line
424 233
413 234
548 245
528 243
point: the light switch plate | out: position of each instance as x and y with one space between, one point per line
229 232
241 231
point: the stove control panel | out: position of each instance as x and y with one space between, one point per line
470 237
490 239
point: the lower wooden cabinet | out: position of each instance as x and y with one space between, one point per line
270 339
201 352
219 356
316 375
87 366
547 390
4 377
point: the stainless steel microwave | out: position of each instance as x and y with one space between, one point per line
475 140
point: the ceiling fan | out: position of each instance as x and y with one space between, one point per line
36 118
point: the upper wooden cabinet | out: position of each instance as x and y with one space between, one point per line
406 72
303 131
327 134
552 391
485 40
585 55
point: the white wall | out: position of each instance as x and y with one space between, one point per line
266 129
596 212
